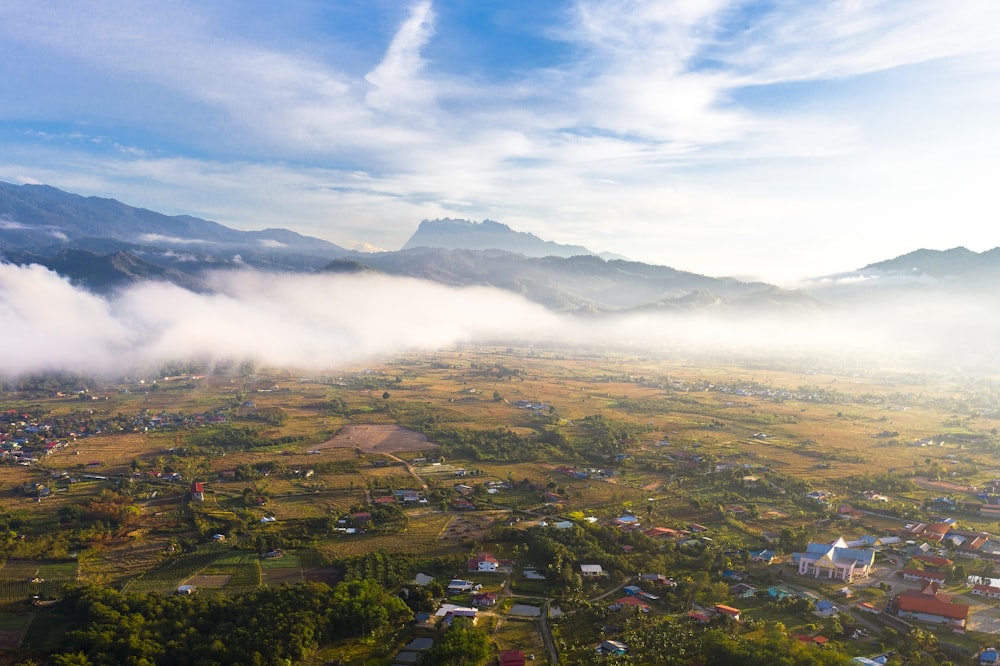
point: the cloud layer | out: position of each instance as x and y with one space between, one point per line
321 322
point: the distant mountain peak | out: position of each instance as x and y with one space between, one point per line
456 234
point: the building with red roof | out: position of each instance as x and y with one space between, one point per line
930 605
511 658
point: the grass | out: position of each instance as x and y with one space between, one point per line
519 634
422 537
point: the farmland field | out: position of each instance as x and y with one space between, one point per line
504 441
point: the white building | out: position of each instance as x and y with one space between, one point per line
836 560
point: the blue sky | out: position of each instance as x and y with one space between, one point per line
768 139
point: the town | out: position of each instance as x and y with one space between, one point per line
573 511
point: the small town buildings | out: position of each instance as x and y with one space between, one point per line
835 560
934 561
932 606
922 575
742 591
988 591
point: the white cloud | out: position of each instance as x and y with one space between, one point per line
396 80
160 238
318 322
669 124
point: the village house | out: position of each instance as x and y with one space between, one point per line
742 591
825 608
592 570
511 658
659 580
198 491
484 599
483 562
632 602
988 591
664 533
922 575
457 586
763 556
727 611
612 647
933 560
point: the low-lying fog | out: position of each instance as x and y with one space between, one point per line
323 321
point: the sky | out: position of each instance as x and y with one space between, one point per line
773 140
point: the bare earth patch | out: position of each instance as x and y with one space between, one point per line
378 439
948 486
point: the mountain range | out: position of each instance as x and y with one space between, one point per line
103 244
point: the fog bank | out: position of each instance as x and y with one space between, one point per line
318 322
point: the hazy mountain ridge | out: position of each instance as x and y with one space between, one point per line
43 219
104 244
455 234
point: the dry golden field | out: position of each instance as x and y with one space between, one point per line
824 425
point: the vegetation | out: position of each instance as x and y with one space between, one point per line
300 513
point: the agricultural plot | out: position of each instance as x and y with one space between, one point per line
21 579
421 537
168 577
13 627
515 633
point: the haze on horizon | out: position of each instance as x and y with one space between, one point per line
316 323
751 139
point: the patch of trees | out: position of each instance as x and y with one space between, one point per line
48 383
462 644
393 570
275 416
606 437
494 371
499 444
676 642
269 626
240 437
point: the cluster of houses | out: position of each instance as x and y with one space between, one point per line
947 534
25 438
589 473
849 561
